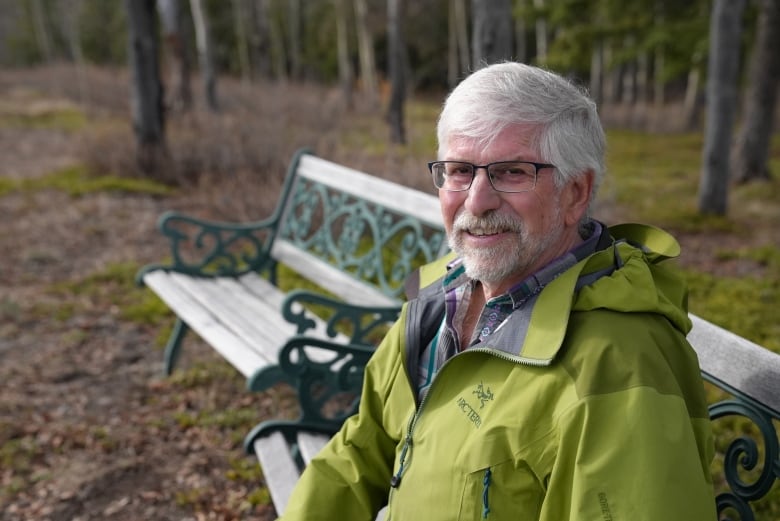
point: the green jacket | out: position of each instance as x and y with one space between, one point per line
598 414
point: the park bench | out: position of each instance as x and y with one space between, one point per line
354 236
746 375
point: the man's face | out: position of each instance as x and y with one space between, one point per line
504 237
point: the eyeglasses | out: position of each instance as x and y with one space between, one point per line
504 176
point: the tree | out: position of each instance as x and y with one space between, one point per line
458 42
173 32
342 47
491 39
200 20
366 53
41 30
395 111
723 69
752 151
147 89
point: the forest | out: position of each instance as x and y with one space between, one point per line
641 56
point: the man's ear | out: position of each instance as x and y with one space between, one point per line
576 197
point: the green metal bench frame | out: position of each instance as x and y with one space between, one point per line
354 235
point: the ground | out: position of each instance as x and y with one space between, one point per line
89 427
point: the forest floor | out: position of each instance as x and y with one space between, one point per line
89 427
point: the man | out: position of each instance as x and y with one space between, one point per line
542 372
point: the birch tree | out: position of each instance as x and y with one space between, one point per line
203 42
173 32
723 69
458 56
366 53
752 151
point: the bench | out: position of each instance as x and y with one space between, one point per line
354 236
747 460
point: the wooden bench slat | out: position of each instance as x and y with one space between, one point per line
736 361
231 347
248 318
328 277
310 443
279 468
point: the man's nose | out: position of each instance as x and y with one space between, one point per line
482 197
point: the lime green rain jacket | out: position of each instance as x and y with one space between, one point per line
597 414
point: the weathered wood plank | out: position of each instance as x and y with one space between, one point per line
235 350
737 362
280 471
310 443
329 277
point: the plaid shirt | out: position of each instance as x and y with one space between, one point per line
458 288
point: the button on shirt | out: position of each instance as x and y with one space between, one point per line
458 288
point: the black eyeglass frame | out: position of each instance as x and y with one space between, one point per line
474 168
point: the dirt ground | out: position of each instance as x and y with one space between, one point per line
89 427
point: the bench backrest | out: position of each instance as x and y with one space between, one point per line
750 374
356 235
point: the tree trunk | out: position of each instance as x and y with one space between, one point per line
541 33
242 42
41 30
597 72
342 48
70 17
659 87
521 52
294 25
147 89
691 102
723 70
462 37
491 40
752 152
395 112
205 53
278 52
366 53
173 32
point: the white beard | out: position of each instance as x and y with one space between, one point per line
511 257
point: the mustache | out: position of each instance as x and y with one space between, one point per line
492 221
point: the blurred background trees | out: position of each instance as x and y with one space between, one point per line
645 62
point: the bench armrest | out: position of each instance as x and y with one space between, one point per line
327 376
211 248
363 325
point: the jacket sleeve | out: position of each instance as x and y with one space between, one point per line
350 478
631 455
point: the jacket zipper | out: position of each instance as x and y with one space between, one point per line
395 480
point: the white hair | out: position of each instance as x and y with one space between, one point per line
564 120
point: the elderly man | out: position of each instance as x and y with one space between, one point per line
541 372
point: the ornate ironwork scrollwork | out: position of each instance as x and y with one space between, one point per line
207 248
358 237
743 453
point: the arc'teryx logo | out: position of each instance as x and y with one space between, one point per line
483 394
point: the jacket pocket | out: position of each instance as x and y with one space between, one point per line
507 490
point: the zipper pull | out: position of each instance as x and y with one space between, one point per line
395 481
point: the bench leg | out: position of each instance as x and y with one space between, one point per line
174 344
